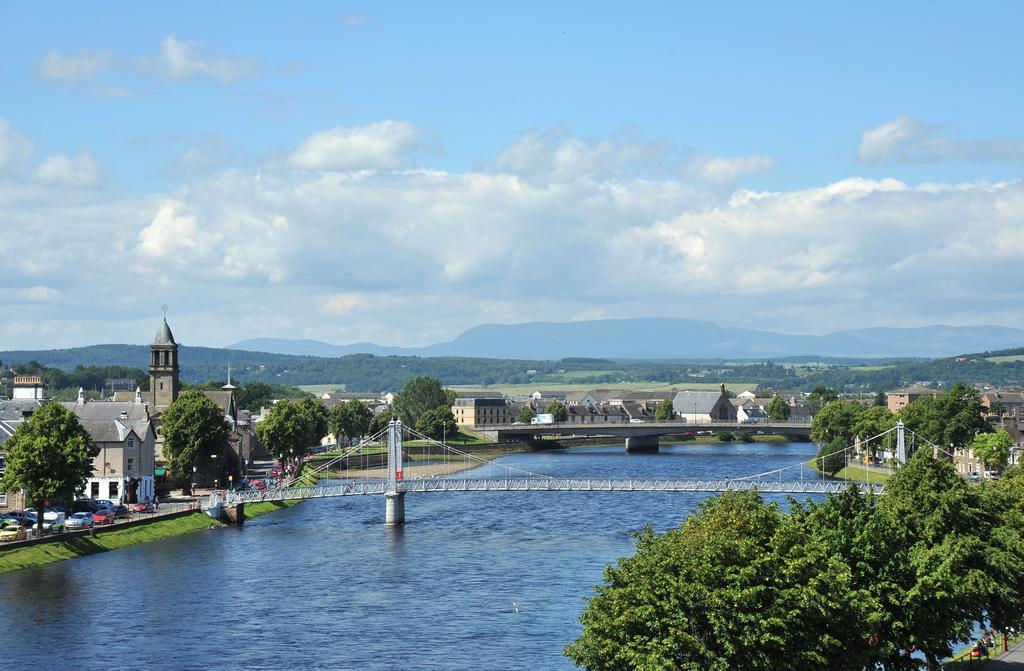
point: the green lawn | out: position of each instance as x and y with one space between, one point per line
856 474
1005 359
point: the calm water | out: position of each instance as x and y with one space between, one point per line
325 585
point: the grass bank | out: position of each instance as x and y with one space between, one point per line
855 474
103 541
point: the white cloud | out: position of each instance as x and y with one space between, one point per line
179 60
378 146
81 171
342 304
41 294
404 256
556 155
15 149
905 140
72 69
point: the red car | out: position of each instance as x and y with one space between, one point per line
144 507
104 516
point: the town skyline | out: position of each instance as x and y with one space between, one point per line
401 174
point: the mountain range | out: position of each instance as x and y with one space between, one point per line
669 338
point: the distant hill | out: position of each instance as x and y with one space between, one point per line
671 339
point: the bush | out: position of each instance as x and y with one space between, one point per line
831 457
725 436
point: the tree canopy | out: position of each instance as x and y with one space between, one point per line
419 395
778 410
664 410
350 419
438 423
50 456
952 418
849 584
292 427
194 430
993 448
557 408
525 415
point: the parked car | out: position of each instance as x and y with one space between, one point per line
8 522
974 475
84 506
104 516
12 533
80 521
143 507
120 512
54 525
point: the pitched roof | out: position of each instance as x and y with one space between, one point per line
107 410
917 389
695 402
164 335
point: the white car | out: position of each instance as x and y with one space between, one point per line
80 521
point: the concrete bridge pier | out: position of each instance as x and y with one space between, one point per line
233 515
642 444
394 509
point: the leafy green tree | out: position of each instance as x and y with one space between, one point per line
737 587
993 448
819 398
952 418
194 430
525 415
832 456
254 395
291 427
778 410
881 400
419 395
438 423
664 411
315 419
871 422
50 456
725 436
351 419
836 420
557 408
381 421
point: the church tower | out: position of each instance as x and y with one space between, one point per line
164 383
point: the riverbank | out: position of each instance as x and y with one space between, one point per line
105 540
855 474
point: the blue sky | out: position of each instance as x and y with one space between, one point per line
400 172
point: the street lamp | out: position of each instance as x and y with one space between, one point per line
194 469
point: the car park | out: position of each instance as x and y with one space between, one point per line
80 521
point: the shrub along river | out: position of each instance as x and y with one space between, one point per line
473 581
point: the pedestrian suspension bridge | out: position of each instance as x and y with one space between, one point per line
383 465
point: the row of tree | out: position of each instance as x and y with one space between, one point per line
848 584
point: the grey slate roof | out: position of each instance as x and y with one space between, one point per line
164 335
705 401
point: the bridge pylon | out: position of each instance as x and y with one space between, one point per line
394 506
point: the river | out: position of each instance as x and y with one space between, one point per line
473 581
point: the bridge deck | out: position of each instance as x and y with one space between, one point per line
364 487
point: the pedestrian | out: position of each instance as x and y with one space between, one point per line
156 502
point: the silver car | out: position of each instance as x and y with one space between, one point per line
79 521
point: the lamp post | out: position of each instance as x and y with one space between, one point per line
194 477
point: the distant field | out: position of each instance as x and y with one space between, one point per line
321 388
1005 359
514 389
868 369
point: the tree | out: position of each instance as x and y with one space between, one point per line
819 398
50 456
557 409
664 411
290 428
419 395
725 436
871 422
836 420
380 422
351 419
525 415
738 587
254 396
778 410
832 456
194 430
315 416
438 423
993 448
881 400
950 419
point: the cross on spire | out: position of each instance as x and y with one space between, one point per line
164 308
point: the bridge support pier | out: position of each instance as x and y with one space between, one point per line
233 515
394 509
642 444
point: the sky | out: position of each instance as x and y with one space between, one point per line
399 172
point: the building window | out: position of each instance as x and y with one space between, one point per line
113 490
131 464
131 443
94 490
3 499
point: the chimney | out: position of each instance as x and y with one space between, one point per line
138 394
